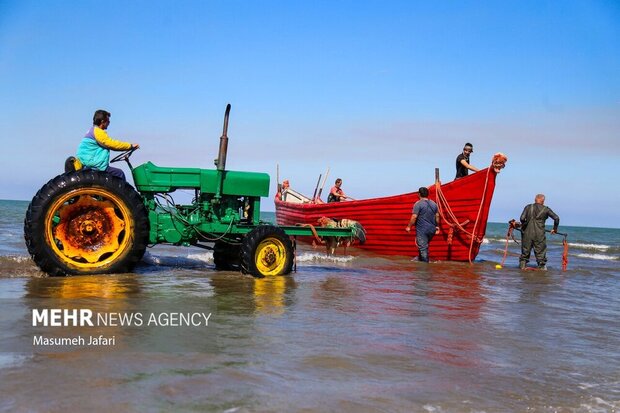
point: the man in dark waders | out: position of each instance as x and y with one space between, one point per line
425 217
533 220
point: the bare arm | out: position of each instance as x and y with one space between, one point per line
338 194
469 166
412 221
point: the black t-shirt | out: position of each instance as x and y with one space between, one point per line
461 171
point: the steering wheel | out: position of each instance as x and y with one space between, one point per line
123 156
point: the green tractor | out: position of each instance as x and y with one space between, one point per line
89 222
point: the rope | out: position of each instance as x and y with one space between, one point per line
508 236
564 249
512 226
497 163
484 194
442 200
316 235
565 254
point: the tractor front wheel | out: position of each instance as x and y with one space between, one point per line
86 222
266 251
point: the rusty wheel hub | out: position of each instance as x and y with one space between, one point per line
88 228
269 257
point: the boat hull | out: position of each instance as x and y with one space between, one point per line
467 202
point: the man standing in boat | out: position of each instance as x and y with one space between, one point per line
533 220
425 217
462 162
336 194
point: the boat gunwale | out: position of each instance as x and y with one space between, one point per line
357 202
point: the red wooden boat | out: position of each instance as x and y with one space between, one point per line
463 206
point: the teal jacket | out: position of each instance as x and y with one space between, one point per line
94 150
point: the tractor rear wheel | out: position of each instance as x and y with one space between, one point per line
266 251
86 222
226 256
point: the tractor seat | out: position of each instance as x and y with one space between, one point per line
72 164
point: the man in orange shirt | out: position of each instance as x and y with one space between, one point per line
336 194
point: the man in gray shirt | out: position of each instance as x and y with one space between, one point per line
425 217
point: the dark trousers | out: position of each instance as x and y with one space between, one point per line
539 244
423 239
116 172
111 170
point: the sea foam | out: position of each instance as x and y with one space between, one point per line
597 256
600 247
322 257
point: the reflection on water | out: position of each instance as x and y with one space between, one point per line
239 294
359 333
537 286
457 292
271 295
112 296
338 294
365 334
103 286
454 302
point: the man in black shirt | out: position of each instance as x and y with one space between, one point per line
462 162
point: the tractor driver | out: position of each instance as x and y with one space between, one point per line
94 150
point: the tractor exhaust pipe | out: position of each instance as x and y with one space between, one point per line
221 157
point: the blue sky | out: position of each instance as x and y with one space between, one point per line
382 92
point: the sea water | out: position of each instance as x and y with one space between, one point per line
354 332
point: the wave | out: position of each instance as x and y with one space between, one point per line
14 266
317 257
204 259
16 259
496 240
597 256
198 260
597 404
555 242
600 247
18 266
8 360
